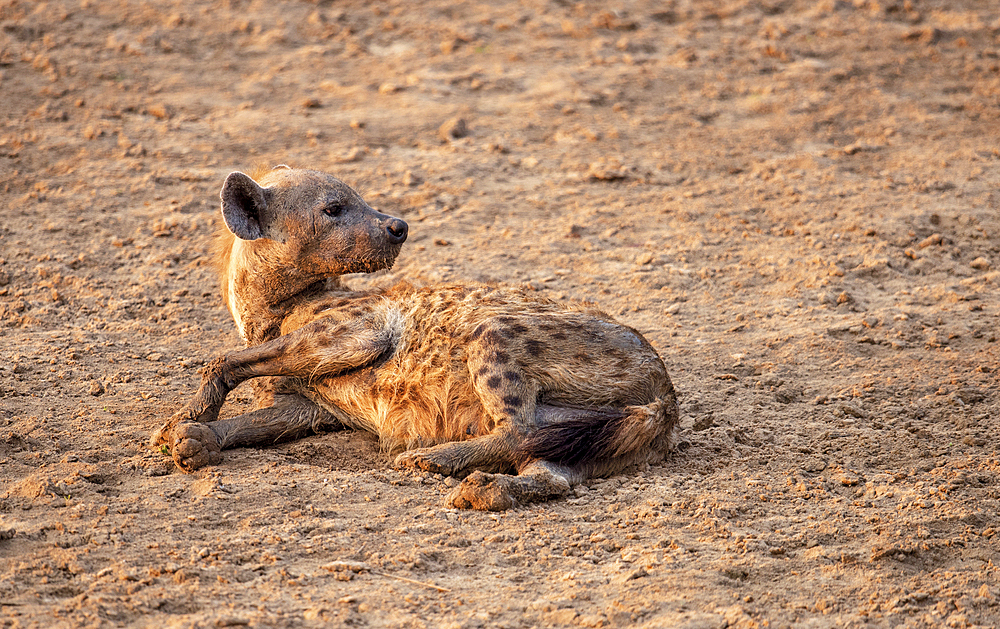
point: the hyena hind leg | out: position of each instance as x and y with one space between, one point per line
495 452
536 482
194 445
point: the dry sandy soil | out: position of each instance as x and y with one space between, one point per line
797 202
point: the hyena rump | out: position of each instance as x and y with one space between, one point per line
520 396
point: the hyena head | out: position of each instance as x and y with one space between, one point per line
311 221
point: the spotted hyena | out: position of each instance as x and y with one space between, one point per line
520 396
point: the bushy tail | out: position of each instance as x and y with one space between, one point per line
605 438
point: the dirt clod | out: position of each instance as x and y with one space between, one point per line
453 129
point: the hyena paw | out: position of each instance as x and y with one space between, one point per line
483 492
426 460
161 436
194 445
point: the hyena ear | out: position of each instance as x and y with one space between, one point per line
245 207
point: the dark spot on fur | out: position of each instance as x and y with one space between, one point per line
559 336
513 330
322 340
493 382
512 376
477 332
504 320
482 371
320 308
534 347
492 337
512 400
499 357
583 357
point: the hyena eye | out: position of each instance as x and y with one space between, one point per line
333 210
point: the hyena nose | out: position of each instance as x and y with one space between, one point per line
397 231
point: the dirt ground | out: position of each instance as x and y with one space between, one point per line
795 201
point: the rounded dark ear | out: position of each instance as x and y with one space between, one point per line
244 206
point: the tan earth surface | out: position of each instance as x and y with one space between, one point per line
796 201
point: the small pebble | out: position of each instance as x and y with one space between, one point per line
933 239
453 129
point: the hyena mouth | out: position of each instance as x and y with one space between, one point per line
369 265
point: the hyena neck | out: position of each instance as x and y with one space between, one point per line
259 290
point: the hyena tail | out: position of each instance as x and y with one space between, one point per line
603 440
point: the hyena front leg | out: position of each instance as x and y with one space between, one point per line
321 348
508 397
195 444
